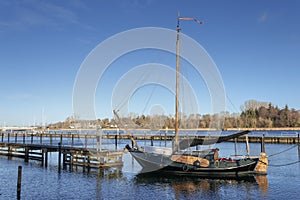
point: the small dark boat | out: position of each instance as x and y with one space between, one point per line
205 163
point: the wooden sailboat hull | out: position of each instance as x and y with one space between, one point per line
159 163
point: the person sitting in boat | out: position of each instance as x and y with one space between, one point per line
216 156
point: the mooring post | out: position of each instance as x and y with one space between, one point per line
299 146
9 152
19 182
43 157
59 156
235 151
51 139
85 141
64 161
16 137
8 137
46 158
263 143
31 138
166 137
26 157
116 142
72 139
61 139
24 138
41 138
2 136
151 140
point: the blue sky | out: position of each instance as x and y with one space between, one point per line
255 45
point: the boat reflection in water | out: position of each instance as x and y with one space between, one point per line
254 185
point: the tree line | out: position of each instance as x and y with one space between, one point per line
254 114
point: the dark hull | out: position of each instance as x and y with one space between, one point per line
156 163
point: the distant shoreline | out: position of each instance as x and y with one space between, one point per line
198 129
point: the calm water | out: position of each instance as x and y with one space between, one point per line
126 183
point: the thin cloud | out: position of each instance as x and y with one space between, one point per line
263 17
20 97
31 13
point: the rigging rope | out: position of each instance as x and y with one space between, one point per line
282 165
283 151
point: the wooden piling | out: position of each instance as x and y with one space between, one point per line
46 158
64 160
59 157
2 136
43 158
151 140
299 146
61 139
116 142
51 139
26 156
24 138
31 138
19 182
263 143
16 137
235 149
41 138
85 141
8 137
72 139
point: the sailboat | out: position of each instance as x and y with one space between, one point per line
180 161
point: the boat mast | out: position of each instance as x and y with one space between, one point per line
176 142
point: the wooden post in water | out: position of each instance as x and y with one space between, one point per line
19 182
263 143
235 150
85 141
116 142
72 139
51 139
61 139
299 146
43 157
2 136
31 138
45 153
26 157
16 137
64 160
24 138
9 152
41 138
8 137
151 140
59 156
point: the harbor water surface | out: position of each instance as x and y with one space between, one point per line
282 180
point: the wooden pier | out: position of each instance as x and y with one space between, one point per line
68 156
24 137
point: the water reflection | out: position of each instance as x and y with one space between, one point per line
193 186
